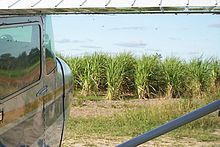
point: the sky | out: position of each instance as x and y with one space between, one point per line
184 36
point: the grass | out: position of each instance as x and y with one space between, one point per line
175 75
101 77
89 73
81 99
146 77
115 73
137 120
201 77
79 102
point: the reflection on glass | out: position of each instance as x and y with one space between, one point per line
19 58
49 46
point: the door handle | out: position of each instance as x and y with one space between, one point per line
42 91
1 115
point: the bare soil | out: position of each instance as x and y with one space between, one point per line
108 108
159 142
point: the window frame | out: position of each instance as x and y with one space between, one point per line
34 83
55 67
47 22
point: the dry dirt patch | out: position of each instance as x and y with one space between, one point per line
163 141
109 108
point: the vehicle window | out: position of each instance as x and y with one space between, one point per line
49 47
19 58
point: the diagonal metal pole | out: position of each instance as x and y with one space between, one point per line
133 3
36 3
108 3
176 123
83 3
59 3
14 3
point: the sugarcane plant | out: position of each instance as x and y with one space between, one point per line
175 77
146 74
115 72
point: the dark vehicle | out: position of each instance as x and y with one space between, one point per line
35 85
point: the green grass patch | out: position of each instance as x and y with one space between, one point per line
136 121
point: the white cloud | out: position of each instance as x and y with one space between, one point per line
128 28
90 46
131 44
65 40
217 25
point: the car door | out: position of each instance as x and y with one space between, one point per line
21 82
53 101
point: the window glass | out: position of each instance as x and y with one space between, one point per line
49 46
19 58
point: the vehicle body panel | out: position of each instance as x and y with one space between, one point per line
34 115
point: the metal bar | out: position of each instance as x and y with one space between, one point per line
107 3
160 5
216 4
48 12
36 3
187 6
161 1
14 3
59 3
132 5
83 3
176 123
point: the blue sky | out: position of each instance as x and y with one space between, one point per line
184 36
